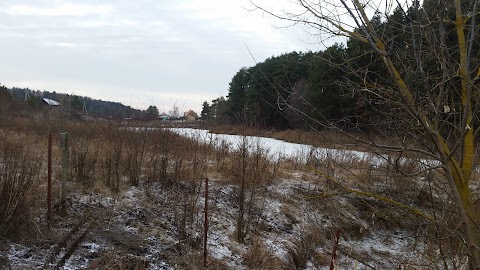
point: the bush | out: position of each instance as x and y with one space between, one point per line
19 174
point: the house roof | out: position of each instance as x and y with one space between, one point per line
190 113
51 102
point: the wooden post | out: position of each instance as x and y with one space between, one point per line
205 236
65 162
49 179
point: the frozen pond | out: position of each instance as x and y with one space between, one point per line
277 149
273 148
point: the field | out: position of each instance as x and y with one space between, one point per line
136 201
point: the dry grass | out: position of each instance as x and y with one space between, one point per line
194 261
110 259
326 139
20 169
258 256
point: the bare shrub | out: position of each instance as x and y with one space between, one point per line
164 157
135 142
252 172
84 161
221 154
154 156
111 165
19 174
111 159
188 169
156 160
24 125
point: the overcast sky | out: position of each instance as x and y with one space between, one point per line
140 53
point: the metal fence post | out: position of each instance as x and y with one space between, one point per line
334 252
205 236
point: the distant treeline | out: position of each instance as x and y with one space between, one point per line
77 105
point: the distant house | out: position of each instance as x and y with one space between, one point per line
51 102
164 116
190 116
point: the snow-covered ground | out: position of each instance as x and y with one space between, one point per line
143 222
290 225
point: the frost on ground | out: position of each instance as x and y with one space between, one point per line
150 227
290 222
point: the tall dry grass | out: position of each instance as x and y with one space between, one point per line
20 172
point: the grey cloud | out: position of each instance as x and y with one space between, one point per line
141 46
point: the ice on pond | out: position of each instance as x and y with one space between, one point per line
278 149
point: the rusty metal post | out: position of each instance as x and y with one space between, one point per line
49 179
334 252
205 236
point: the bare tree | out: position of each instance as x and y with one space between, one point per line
430 87
175 111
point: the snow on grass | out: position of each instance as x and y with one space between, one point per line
222 226
23 257
285 216
384 249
